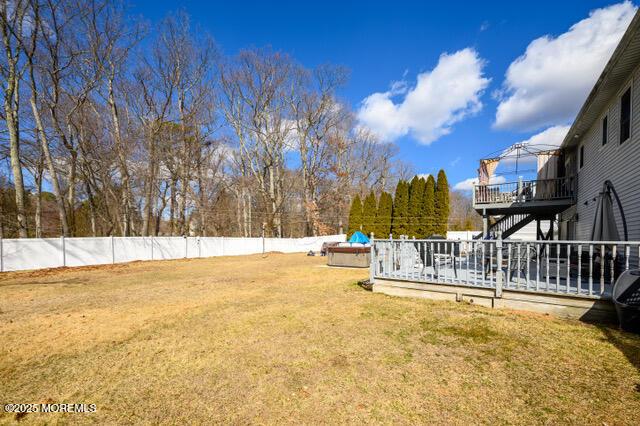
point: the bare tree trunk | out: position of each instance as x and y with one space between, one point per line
246 212
160 211
44 142
16 168
172 206
276 218
202 201
92 209
240 213
71 183
122 161
184 165
12 23
53 174
38 212
149 188
309 229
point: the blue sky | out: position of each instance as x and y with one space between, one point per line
386 42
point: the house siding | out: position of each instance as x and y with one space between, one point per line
615 162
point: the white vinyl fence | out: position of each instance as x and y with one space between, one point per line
39 253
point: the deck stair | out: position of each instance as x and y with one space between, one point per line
509 224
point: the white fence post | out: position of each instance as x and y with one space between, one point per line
113 251
152 247
199 249
222 246
1 259
186 246
64 254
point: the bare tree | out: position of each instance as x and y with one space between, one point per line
317 114
12 25
258 87
114 39
31 45
164 137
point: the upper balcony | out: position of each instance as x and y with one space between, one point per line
540 196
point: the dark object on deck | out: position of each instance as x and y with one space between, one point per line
355 257
325 247
311 253
626 297
605 229
604 223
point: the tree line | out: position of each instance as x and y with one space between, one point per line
113 126
419 208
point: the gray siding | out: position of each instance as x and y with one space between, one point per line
618 163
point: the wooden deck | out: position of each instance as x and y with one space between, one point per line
567 278
468 274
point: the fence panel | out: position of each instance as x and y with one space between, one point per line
211 246
38 253
128 249
165 248
87 251
240 246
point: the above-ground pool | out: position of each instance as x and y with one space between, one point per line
355 257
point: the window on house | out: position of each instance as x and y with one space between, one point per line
625 116
581 156
605 128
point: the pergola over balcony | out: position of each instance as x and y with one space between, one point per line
550 192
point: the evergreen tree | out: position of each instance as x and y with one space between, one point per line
369 210
427 210
442 204
355 216
400 209
416 191
383 216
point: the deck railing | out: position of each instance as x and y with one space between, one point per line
578 268
525 191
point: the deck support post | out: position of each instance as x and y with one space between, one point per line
485 223
372 265
499 277
520 196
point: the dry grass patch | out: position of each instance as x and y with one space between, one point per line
283 339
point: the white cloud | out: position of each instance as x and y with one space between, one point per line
550 81
467 184
427 110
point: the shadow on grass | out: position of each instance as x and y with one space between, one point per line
627 343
